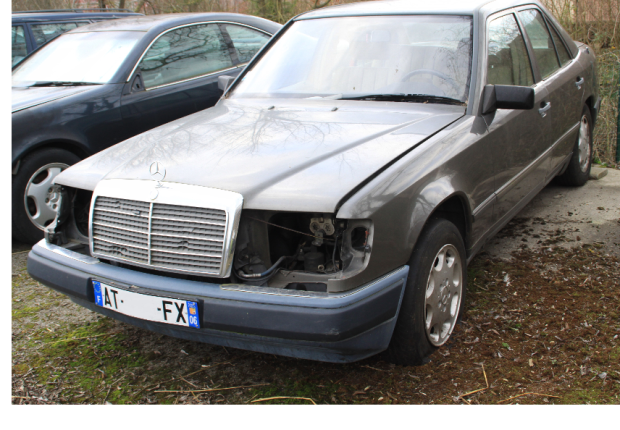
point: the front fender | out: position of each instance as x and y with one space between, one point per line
401 199
36 128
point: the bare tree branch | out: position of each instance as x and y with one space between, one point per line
319 6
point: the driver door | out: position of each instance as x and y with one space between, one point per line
520 137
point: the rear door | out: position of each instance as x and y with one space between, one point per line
176 76
561 75
520 137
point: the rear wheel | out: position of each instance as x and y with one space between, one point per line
434 295
578 170
34 204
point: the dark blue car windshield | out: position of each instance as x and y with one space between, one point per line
78 57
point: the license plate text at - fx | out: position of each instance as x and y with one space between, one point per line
152 308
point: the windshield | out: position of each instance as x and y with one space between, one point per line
78 57
352 56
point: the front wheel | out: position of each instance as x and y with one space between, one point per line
34 204
434 294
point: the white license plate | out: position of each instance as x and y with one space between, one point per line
146 307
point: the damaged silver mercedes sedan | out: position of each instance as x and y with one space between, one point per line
327 206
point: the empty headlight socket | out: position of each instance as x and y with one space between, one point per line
316 247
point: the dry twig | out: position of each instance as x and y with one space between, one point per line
185 376
207 390
85 337
462 396
525 394
282 397
374 368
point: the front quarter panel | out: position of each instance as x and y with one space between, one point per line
86 122
401 199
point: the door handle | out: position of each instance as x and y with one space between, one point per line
545 106
579 82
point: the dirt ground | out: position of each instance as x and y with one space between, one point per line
542 325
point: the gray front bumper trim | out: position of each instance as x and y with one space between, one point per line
339 327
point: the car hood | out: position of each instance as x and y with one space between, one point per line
299 155
27 97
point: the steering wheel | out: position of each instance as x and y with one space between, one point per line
440 75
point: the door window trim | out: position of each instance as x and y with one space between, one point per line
557 56
528 44
493 17
183 26
194 78
550 26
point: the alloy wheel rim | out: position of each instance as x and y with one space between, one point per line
40 201
443 295
584 144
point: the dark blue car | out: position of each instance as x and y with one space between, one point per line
100 84
32 29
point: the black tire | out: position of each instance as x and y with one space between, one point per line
410 343
24 229
577 173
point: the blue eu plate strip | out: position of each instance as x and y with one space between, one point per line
192 314
98 295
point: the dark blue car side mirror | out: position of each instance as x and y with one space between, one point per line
506 97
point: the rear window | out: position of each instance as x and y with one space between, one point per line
45 32
18 44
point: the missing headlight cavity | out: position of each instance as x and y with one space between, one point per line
81 210
273 244
70 227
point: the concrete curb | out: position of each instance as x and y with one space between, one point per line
597 173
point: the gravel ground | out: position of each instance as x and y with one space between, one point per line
542 326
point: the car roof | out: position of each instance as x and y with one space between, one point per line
404 7
21 17
164 21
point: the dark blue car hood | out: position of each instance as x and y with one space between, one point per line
27 97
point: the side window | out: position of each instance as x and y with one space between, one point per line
559 46
508 62
246 41
18 44
185 53
44 32
541 41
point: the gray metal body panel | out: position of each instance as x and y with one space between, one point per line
392 163
276 158
300 155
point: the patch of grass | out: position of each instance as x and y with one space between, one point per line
93 356
585 396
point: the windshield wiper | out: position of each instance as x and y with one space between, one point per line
405 98
61 84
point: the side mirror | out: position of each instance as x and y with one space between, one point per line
506 97
224 81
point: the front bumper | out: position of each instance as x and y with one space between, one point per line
341 327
